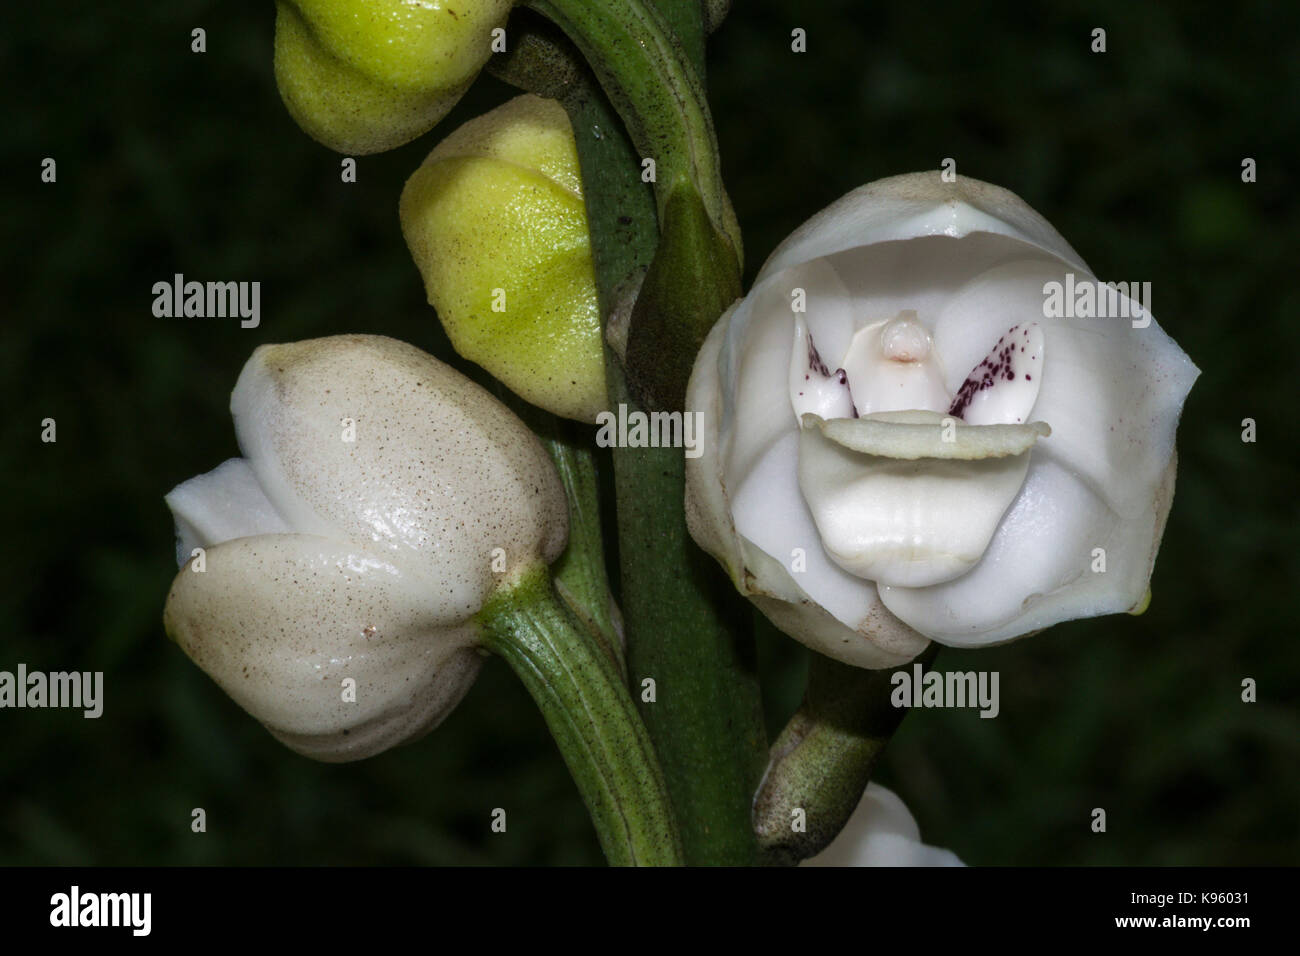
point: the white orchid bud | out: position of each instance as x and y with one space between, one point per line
882 832
381 499
911 445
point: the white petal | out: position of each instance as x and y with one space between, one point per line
908 522
1003 387
920 276
770 512
1112 393
814 388
889 849
1038 568
860 632
832 611
279 621
882 832
1114 399
755 357
707 504
225 503
438 472
915 205
984 308
880 641
830 312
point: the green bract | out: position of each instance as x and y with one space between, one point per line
364 76
495 221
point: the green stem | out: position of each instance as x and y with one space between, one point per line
685 628
650 80
591 716
823 759
682 617
579 574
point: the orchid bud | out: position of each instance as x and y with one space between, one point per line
495 221
882 832
364 76
330 575
916 442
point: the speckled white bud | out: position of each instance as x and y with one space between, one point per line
381 498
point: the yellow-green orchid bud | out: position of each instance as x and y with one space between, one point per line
363 76
496 223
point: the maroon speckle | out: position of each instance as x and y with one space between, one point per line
815 359
996 367
816 364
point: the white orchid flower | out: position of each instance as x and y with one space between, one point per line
912 445
881 832
330 575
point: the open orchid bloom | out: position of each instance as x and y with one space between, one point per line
913 444
330 576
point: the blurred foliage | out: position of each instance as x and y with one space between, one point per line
170 161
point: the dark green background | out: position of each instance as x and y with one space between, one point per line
174 162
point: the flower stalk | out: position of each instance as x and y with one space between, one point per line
685 630
579 573
684 627
591 716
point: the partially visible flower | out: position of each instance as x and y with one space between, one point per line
329 576
911 448
882 832
364 76
495 221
